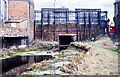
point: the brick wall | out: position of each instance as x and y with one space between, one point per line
31 17
18 25
23 10
18 10
44 33
12 32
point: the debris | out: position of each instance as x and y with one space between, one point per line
4 53
66 70
55 49
22 46
71 61
49 52
63 55
13 47
34 66
45 68
81 45
38 67
45 63
44 44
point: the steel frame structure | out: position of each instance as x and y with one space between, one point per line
87 21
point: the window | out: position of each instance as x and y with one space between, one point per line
13 25
38 16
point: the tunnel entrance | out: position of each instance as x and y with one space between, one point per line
65 40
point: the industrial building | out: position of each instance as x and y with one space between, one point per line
20 24
56 23
17 23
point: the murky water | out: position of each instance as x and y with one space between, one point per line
46 67
53 66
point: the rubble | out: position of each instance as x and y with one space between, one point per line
81 45
45 63
44 44
13 47
22 46
66 70
34 66
4 53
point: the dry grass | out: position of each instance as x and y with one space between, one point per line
98 61
44 44
4 53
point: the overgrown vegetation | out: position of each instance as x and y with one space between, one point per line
101 59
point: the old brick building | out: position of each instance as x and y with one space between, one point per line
19 27
56 23
117 17
23 9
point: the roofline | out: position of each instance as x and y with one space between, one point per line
7 21
20 0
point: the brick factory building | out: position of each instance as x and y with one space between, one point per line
62 23
18 28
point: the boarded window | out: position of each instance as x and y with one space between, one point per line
13 25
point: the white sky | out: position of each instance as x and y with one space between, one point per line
105 5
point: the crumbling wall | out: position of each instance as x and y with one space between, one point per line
12 36
12 32
23 10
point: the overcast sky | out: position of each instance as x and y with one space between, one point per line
105 5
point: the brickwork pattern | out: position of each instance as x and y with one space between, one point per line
12 32
23 10
18 10
18 25
50 33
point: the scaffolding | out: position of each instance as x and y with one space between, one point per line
86 23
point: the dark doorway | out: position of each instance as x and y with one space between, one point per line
65 40
14 41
